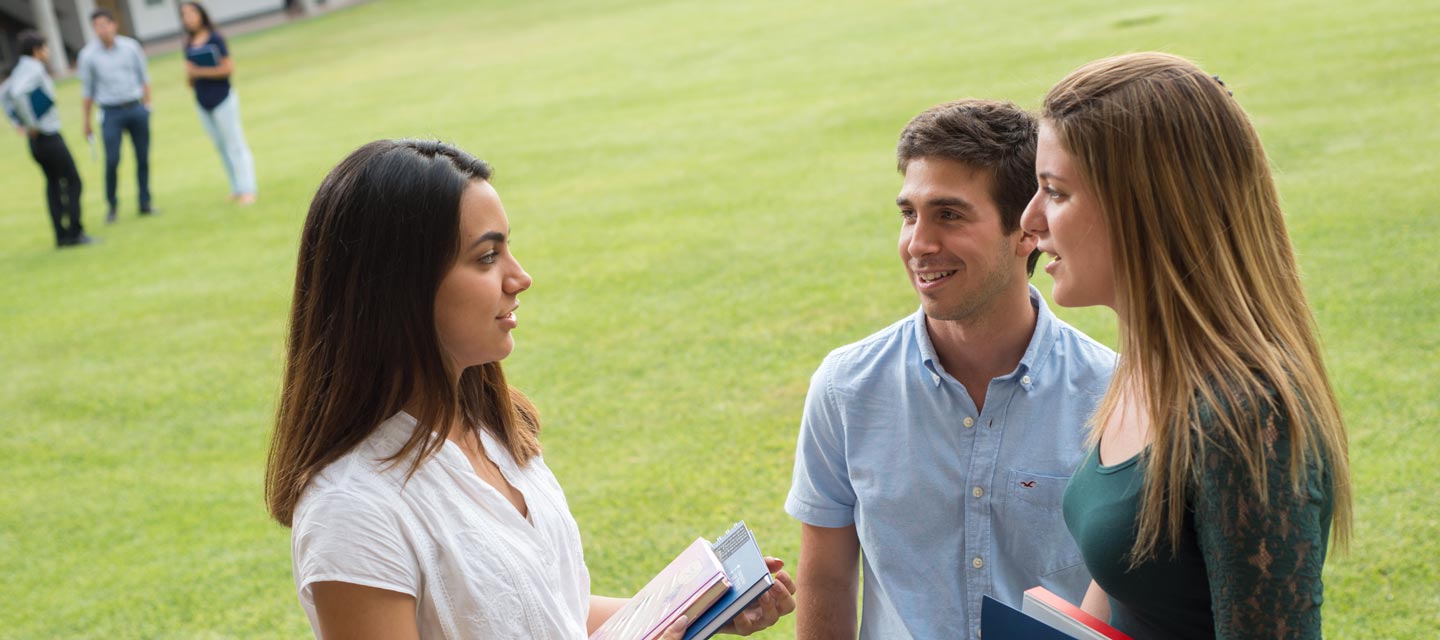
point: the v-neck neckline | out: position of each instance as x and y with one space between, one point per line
487 444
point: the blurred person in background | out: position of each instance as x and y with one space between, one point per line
28 97
208 67
113 73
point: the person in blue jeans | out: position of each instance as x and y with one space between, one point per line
113 73
208 68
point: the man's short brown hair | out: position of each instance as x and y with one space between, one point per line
985 134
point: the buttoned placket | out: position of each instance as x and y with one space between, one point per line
985 432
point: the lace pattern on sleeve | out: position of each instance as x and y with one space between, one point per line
1264 561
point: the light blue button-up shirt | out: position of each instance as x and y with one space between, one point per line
949 503
114 75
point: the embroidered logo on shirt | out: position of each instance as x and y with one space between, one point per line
1028 484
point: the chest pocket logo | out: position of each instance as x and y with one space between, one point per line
1031 527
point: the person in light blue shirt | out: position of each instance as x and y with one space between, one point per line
28 98
113 73
934 453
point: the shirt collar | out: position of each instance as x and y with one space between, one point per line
1036 353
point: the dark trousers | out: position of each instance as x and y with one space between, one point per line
62 185
136 120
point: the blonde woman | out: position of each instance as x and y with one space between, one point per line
1219 468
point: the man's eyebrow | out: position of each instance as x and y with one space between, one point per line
947 201
488 236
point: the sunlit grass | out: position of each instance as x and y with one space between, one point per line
701 191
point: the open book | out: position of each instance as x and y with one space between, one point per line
692 582
749 579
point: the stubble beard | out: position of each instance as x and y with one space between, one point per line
992 285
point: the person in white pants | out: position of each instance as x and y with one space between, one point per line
208 67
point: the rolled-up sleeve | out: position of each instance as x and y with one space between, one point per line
820 490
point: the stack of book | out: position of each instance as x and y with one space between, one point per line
707 583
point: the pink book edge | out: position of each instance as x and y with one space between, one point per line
689 600
1044 595
689 603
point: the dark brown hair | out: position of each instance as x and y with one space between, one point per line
382 232
29 41
204 18
985 134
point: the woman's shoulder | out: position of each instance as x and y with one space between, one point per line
366 478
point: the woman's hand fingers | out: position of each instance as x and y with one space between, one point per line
676 630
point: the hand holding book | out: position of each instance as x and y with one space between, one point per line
763 613
777 601
727 587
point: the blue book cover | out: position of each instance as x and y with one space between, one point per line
40 103
749 579
206 56
1000 621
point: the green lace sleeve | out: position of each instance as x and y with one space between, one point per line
1264 561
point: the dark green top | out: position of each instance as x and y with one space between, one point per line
1241 570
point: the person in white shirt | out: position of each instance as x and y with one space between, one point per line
409 472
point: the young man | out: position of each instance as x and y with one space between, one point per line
938 449
28 98
113 73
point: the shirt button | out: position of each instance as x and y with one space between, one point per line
977 492
977 563
936 378
1025 380
969 422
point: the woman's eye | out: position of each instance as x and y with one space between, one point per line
489 258
1053 194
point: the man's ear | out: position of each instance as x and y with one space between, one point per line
1025 244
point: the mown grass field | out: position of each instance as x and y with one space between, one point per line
702 192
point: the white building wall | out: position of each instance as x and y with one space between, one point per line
222 11
161 18
74 16
151 20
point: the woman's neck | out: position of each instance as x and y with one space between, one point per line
200 37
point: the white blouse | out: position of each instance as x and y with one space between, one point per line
475 566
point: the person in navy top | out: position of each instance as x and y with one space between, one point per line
208 67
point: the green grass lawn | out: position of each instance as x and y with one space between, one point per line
702 192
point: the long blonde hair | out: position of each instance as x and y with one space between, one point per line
1211 307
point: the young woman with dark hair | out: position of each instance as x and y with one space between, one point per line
208 68
410 472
